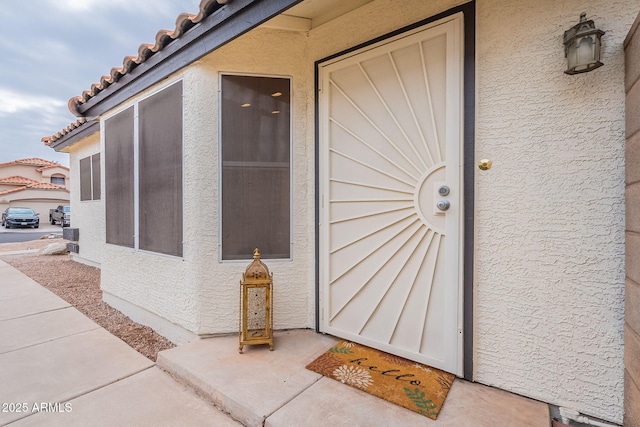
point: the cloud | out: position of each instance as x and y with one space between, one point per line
14 102
89 5
52 50
166 7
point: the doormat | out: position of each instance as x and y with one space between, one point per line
409 384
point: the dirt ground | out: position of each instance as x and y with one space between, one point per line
79 285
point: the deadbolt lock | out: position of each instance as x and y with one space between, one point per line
484 164
444 191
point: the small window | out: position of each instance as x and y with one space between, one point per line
255 152
58 180
90 178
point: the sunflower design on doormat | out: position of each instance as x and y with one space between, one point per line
353 376
411 385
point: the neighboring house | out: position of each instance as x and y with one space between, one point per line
33 183
86 204
324 132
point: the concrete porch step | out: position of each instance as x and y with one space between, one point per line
273 388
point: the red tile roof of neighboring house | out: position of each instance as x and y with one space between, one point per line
33 161
35 186
17 180
47 186
184 22
52 167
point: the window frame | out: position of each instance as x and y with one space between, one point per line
221 75
92 178
58 177
136 166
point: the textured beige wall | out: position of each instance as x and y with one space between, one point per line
632 312
40 205
550 214
21 170
86 215
549 301
160 290
47 173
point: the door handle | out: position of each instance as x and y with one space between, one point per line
443 205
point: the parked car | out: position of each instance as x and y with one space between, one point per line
20 217
61 215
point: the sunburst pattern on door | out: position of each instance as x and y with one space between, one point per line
386 149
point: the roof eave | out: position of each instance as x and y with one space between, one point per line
75 135
227 23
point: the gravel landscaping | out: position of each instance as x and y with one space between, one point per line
79 285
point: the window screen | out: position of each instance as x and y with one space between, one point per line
85 179
90 178
95 176
119 180
255 166
160 148
58 180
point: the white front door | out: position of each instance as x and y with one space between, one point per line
391 161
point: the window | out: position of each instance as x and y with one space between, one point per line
90 178
118 176
143 174
160 166
255 153
57 179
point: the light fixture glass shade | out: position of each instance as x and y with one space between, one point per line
582 45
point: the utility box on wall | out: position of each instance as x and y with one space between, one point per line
72 234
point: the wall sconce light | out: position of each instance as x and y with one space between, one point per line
582 46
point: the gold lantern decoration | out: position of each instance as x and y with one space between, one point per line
256 304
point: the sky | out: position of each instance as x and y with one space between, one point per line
53 50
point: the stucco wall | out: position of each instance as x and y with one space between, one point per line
549 217
86 215
57 171
632 300
549 277
550 214
266 52
155 289
200 293
21 170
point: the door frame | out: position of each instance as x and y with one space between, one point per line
468 184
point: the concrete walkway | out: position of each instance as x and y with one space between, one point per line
58 368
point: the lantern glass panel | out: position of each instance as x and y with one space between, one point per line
256 312
585 51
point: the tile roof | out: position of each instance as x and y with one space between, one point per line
52 167
48 140
35 186
47 186
17 180
33 161
184 22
